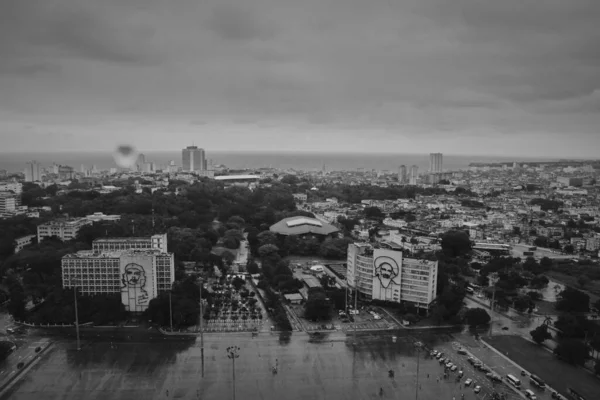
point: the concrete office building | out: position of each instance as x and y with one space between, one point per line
138 275
382 274
65 229
435 162
193 159
32 172
154 242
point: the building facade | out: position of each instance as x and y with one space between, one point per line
382 274
414 174
32 172
402 177
193 159
65 229
138 275
15 187
436 162
154 242
9 202
23 241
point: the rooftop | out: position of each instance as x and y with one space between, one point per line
302 226
236 177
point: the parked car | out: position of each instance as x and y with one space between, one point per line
468 382
442 360
477 389
460 374
453 368
471 360
461 351
376 316
433 353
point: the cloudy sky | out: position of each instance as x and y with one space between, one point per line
512 77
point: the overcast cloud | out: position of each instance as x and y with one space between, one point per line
519 77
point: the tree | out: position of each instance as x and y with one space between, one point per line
583 280
374 213
546 263
456 243
572 300
521 303
317 307
5 349
572 351
477 316
534 296
569 249
267 250
252 267
597 367
540 334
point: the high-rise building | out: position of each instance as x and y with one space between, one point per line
402 178
435 162
32 172
193 159
414 173
9 202
382 274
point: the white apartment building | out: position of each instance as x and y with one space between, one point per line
9 202
593 244
139 275
381 274
16 187
65 229
23 241
156 242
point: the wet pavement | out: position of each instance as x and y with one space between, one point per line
318 366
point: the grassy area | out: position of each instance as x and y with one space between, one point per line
536 360
546 307
592 288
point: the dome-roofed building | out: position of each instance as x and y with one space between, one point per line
301 226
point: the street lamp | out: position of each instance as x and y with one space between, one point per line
417 388
232 353
76 312
201 327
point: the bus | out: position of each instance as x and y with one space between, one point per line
574 395
514 381
536 381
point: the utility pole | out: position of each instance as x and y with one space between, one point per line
355 307
76 318
233 353
417 388
170 311
201 329
493 282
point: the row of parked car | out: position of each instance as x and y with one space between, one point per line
477 364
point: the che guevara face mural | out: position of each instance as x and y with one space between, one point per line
134 282
386 269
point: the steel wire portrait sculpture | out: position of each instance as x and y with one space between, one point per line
134 281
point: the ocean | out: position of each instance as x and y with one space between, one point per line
15 162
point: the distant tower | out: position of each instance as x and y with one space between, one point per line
32 172
414 173
402 174
193 159
435 162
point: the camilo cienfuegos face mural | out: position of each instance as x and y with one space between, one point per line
134 283
386 270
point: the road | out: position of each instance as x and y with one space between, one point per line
309 367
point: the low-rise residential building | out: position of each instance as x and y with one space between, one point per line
98 216
156 242
23 241
65 229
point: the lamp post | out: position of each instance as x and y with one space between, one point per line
170 311
201 327
417 388
232 353
71 280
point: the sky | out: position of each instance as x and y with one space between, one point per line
510 77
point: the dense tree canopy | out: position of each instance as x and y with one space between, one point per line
456 243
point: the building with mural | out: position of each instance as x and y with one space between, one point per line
139 275
383 274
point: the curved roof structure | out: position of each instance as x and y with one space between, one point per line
301 226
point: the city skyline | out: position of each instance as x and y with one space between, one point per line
421 76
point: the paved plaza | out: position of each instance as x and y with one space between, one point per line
319 366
